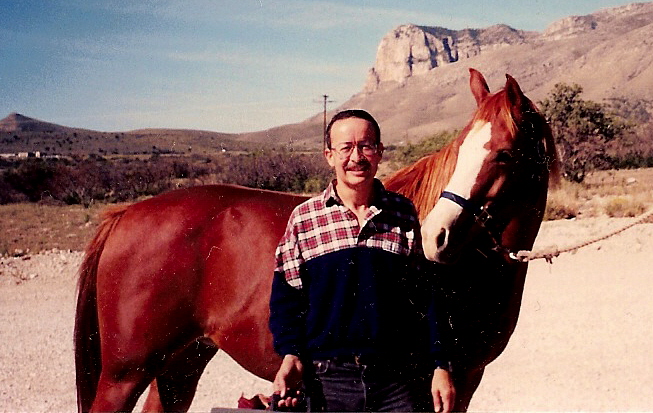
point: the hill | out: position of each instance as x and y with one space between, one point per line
16 122
19 133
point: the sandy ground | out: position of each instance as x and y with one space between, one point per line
583 342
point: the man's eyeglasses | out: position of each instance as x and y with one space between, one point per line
367 149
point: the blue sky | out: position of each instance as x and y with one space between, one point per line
227 65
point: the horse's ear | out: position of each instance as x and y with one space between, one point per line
479 86
518 102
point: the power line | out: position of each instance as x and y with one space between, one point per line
325 100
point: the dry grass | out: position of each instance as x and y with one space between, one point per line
37 227
615 193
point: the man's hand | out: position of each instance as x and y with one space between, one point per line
444 394
289 377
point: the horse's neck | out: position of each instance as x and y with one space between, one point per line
526 216
424 181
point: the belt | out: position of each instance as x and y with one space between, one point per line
356 359
374 360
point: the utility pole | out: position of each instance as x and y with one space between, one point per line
325 97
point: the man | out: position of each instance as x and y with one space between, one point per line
349 313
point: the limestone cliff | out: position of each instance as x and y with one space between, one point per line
411 50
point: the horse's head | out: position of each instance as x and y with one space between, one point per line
502 170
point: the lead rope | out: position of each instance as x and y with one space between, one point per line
548 253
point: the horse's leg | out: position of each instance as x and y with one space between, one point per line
466 383
120 394
153 400
177 384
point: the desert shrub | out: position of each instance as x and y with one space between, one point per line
85 180
279 171
564 202
632 159
8 194
406 155
623 207
81 181
32 178
582 129
560 207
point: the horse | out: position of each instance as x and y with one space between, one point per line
485 202
167 282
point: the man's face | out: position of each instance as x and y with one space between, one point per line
354 153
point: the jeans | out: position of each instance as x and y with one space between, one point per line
380 387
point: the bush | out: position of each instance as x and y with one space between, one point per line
581 129
559 206
620 207
83 181
32 178
279 171
411 153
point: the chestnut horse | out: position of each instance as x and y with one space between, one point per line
168 281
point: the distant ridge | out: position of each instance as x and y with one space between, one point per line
15 122
20 133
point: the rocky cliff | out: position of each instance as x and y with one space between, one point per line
410 50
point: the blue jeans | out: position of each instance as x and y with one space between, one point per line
380 387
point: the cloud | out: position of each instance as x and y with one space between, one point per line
328 15
315 15
269 63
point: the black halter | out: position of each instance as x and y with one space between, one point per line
484 219
481 214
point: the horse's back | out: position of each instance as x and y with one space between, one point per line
179 219
186 263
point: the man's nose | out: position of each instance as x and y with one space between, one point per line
356 153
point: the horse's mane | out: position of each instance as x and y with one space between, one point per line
551 152
424 181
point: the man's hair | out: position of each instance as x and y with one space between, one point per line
352 113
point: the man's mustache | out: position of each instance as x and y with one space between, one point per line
362 165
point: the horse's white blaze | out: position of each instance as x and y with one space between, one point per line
471 155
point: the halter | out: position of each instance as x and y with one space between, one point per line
482 218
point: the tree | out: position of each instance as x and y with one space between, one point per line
412 152
582 129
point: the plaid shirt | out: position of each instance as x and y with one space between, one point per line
323 224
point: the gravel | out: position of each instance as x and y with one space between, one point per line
582 342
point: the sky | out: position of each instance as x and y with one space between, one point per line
223 65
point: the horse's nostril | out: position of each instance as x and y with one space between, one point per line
442 237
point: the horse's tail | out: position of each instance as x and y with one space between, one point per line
87 336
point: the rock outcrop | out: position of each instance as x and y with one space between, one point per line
570 26
411 50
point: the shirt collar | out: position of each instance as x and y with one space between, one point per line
331 197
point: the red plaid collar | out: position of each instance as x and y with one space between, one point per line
330 195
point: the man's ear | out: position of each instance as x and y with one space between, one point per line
380 148
328 154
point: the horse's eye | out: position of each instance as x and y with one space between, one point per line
503 157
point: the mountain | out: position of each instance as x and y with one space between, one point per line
419 82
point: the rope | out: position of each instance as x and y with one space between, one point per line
548 253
